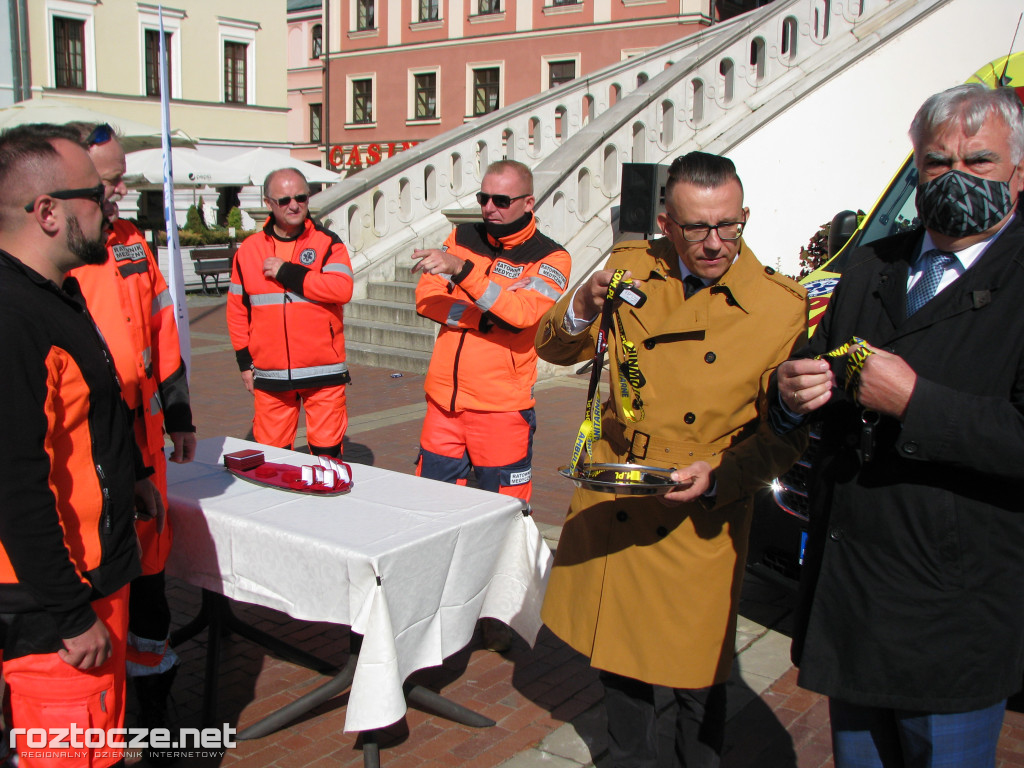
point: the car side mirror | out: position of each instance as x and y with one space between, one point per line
844 224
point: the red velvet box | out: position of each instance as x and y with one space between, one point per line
242 460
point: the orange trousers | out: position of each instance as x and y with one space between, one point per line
43 692
498 447
277 418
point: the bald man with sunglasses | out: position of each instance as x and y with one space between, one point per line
487 287
289 283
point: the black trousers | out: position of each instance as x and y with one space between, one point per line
633 731
149 615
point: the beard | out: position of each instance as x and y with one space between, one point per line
85 250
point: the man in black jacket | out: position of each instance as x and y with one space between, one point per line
68 464
912 609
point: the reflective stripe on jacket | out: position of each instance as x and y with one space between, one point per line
484 358
291 330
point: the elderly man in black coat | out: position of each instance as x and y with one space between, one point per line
912 606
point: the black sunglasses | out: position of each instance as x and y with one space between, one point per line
101 134
97 194
283 201
500 201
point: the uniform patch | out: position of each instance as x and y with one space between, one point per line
546 270
505 269
307 257
133 252
520 478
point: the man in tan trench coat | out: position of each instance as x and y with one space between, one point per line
646 586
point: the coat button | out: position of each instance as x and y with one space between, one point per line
835 534
769 271
648 344
689 418
910 448
621 516
662 531
709 357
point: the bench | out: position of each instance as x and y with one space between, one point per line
213 262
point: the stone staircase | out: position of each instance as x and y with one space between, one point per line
383 330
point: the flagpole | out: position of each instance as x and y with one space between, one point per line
176 276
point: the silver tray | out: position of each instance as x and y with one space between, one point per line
625 479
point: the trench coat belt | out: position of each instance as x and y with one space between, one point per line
642 447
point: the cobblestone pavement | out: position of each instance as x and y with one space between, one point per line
544 699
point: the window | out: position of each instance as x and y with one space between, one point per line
362 101
153 61
429 10
365 15
564 2
560 72
69 53
316 41
425 96
235 55
315 118
490 6
486 90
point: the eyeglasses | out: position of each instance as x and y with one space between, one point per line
283 201
101 134
698 233
500 201
97 194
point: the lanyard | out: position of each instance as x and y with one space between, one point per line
629 377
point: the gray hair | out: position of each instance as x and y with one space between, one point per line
970 105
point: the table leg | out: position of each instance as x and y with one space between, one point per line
289 712
424 698
216 614
371 751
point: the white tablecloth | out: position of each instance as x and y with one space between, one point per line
410 564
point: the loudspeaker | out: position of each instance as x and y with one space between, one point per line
642 196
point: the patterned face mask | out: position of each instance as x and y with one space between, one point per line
958 204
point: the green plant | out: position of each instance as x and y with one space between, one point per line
235 218
194 220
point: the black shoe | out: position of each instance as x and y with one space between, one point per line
152 693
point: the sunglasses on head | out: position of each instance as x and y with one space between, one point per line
97 194
500 201
283 201
101 134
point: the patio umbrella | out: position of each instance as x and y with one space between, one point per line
135 135
260 162
191 169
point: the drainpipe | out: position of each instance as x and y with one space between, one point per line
20 68
326 98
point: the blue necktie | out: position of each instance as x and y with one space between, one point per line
934 266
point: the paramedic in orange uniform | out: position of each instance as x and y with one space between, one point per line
488 287
129 300
288 287
69 465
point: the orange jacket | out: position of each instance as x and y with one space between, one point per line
291 330
484 358
68 464
130 303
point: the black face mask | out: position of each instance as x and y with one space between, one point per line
957 204
498 231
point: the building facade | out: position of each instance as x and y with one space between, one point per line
227 74
306 59
401 71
